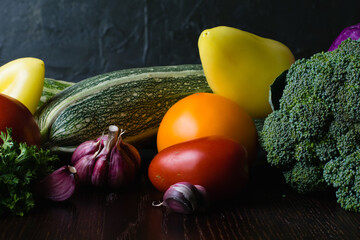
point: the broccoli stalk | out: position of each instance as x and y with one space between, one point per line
314 135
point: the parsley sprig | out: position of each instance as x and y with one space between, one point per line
21 167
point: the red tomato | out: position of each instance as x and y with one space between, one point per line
217 163
14 115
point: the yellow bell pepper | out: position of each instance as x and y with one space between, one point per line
23 79
241 66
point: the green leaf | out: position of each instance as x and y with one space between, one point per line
276 90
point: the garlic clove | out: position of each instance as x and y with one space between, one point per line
116 169
203 197
99 173
185 198
89 147
102 139
84 167
124 164
132 152
121 169
60 185
85 148
177 202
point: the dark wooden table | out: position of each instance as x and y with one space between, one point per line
267 209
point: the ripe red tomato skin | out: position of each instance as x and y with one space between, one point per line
14 115
217 163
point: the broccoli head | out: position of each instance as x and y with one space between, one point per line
317 121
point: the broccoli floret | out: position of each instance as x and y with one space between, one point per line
318 121
344 175
305 178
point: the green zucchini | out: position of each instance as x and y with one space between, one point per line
52 87
133 99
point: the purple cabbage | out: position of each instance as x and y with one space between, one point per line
352 32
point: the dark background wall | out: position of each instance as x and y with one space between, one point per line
81 38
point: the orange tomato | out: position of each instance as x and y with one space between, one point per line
207 114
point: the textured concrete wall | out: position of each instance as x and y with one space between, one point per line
82 38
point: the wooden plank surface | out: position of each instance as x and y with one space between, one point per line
267 209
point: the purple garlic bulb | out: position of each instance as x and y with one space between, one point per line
108 160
